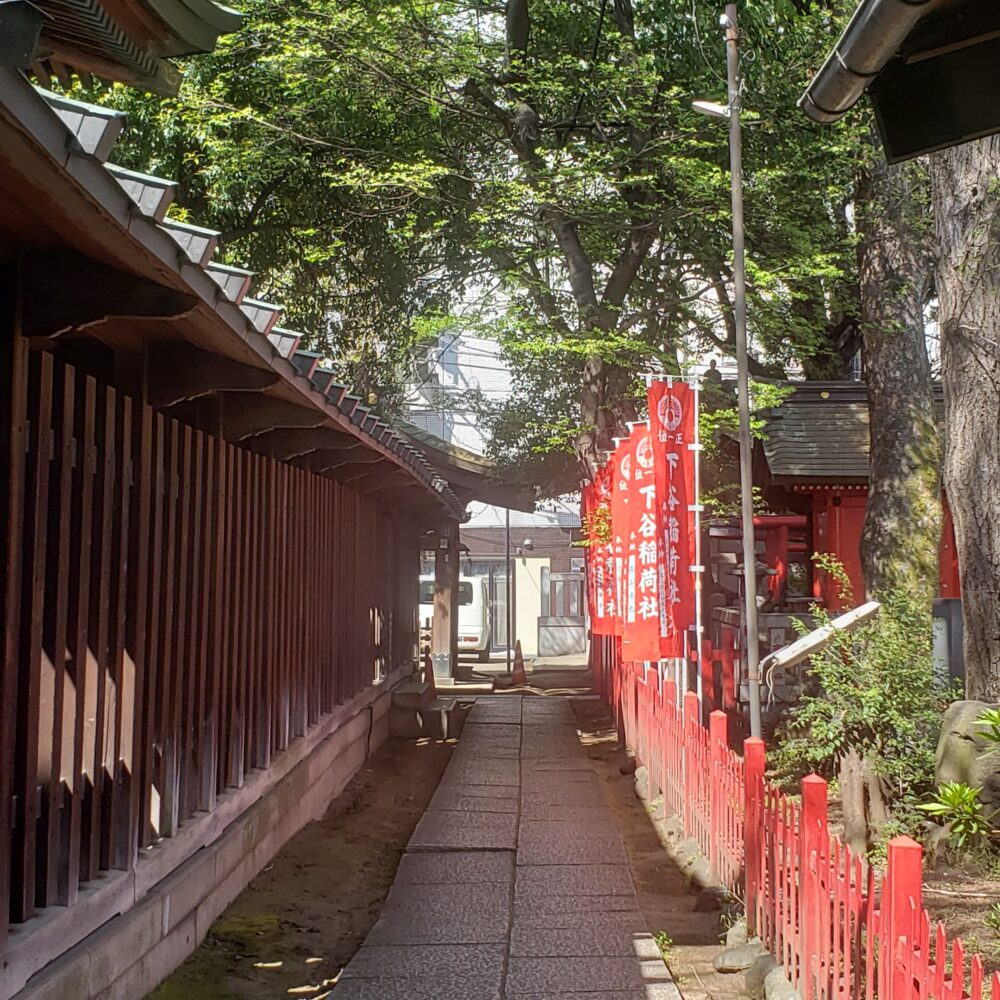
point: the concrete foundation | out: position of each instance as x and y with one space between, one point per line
131 929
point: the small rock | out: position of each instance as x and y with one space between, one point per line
737 934
756 975
699 872
777 986
738 959
641 779
711 898
673 827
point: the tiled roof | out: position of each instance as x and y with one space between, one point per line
94 132
819 434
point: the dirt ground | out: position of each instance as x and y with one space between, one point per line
689 940
964 902
299 922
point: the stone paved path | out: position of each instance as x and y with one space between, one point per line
515 884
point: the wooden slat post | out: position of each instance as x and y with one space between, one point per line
815 842
444 626
753 776
692 718
13 436
718 734
902 903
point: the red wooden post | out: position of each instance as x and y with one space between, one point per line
718 734
691 719
902 902
708 676
814 845
753 789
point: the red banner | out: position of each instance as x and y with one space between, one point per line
672 424
601 553
620 466
641 611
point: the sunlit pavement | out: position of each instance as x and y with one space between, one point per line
515 882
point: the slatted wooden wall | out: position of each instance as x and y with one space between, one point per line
176 610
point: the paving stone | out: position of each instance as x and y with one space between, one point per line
504 710
455 867
575 763
497 732
548 709
451 800
542 942
485 791
559 904
630 921
458 830
478 966
652 991
483 751
407 989
582 974
577 880
554 842
477 771
596 812
444 914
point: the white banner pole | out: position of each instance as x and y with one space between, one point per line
697 570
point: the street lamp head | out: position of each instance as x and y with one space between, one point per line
716 110
712 109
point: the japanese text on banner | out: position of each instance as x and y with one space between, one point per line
672 425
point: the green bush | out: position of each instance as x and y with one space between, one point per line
956 806
871 699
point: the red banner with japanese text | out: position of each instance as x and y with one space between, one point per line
672 426
601 562
641 608
620 467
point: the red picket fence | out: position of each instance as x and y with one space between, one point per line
841 930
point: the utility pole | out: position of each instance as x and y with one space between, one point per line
742 364
508 608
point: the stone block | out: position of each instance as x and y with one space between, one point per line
597 974
455 867
555 842
458 830
444 914
122 941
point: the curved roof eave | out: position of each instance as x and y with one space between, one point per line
156 254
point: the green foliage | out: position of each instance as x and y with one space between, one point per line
378 163
957 806
989 722
993 918
596 527
873 691
717 422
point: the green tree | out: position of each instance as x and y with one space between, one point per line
378 162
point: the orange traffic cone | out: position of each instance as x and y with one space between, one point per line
429 673
518 676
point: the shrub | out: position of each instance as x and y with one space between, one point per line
871 715
957 807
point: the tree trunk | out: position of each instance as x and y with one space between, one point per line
605 407
852 797
965 182
902 531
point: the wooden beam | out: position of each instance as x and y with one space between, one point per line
246 415
444 626
286 443
177 371
63 292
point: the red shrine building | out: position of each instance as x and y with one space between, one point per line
814 461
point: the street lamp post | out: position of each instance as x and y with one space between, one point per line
732 112
742 365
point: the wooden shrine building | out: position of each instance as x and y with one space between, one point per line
208 585
814 460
